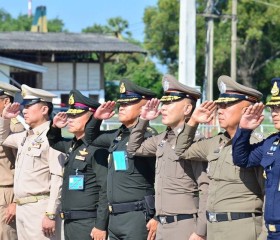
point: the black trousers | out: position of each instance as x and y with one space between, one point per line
128 226
78 229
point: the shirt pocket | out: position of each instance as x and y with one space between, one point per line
268 165
212 164
79 167
174 167
159 156
32 159
231 172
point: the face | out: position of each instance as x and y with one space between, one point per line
35 114
275 114
129 112
76 123
174 113
229 114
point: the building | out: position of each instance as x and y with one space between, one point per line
70 60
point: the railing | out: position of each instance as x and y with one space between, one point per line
205 129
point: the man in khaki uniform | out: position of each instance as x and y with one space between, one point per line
7 166
181 186
38 168
235 198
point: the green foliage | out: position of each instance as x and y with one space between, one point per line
134 67
24 23
258 47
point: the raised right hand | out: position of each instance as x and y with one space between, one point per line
252 116
105 110
204 113
11 110
150 110
60 120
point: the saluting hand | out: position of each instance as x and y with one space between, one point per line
97 234
11 110
150 110
204 113
252 116
152 228
48 227
60 120
194 236
105 110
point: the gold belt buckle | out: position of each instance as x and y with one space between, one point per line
271 228
110 209
62 215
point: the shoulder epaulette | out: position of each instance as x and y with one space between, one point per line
14 121
272 133
258 135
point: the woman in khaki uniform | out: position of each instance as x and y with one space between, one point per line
7 165
235 198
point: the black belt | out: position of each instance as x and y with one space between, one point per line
77 214
170 219
6 186
222 217
116 208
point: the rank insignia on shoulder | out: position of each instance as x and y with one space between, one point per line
83 152
81 158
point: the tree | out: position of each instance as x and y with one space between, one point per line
258 39
135 67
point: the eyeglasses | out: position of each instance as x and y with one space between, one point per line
275 108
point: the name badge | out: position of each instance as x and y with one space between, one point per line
76 182
120 160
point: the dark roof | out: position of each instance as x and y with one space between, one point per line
65 42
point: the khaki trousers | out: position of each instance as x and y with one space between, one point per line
29 221
7 232
180 230
243 229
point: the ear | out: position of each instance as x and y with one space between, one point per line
187 109
6 101
45 110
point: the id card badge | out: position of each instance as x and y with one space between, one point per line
120 160
76 182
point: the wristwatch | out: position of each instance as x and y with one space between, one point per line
51 216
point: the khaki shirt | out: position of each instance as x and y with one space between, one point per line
231 189
178 183
7 158
38 167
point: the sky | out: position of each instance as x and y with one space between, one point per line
79 14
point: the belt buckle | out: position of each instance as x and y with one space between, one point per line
62 215
110 208
212 217
271 228
162 219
